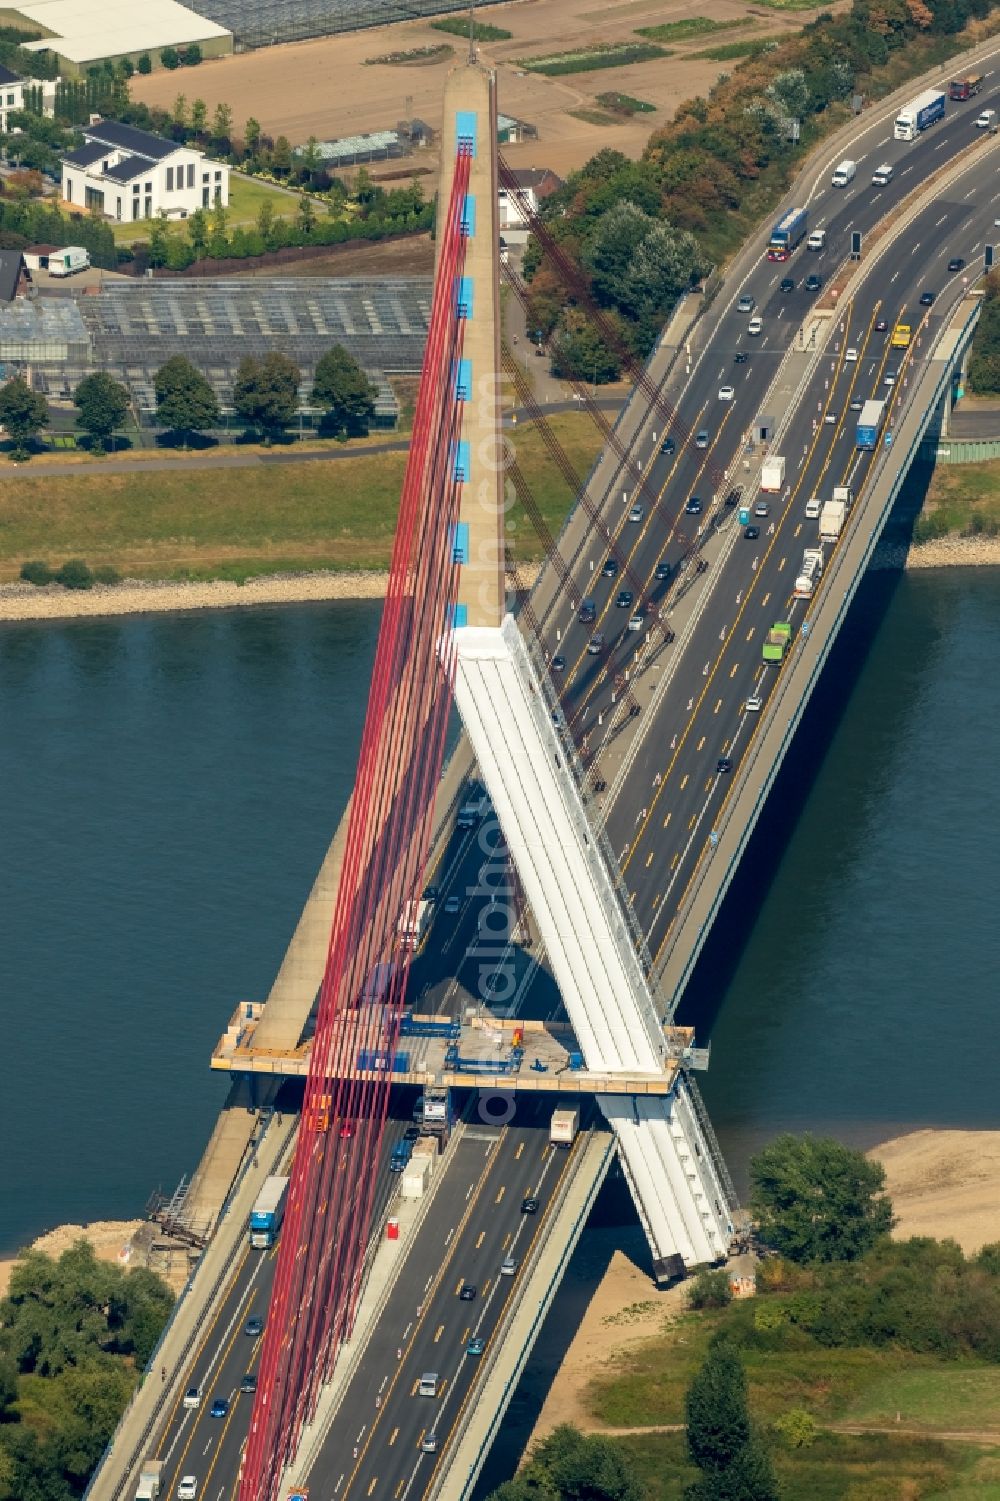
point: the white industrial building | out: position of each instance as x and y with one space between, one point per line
84 32
128 174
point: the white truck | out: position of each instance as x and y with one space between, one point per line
416 1177
772 475
918 114
68 261
812 567
564 1126
150 1480
831 520
414 923
843 173
844 493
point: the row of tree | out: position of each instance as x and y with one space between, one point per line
636 234
265 394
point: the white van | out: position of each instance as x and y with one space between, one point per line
986 119
429 1384
844 173
817 240
813 507
756 325
882 176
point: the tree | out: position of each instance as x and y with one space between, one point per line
816 1200
23 413
718 1420
222 124
158 241
145 63
584 1467
199 116
179 112
344 389
251 136
266 392
185 402
281 156
169 58
218 239
265 220
580 353
197 228
102 405
306 218
192 55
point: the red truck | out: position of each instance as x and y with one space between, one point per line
965 88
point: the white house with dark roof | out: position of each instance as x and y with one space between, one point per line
12 87
127 174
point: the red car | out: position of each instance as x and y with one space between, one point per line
348 1129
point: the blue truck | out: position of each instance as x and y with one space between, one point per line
401 1154
268 1212
870 421
789 231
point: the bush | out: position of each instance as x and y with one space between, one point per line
75 574
36 572
145 63
710 1289
796 1428
170 58
105 574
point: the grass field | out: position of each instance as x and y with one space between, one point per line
731 51
963 500
483 31
839 1467
838 1386
235 523
590 59
246 195
685 29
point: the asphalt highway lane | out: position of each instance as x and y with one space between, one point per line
374 1448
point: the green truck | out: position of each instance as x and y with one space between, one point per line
778 640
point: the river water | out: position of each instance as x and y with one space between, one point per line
168 787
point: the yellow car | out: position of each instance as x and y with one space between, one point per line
901 336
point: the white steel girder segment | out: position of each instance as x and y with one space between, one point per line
544 823
669 1166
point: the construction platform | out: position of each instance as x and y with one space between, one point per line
479 1051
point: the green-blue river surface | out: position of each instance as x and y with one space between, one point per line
168 786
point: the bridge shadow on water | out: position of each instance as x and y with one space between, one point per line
724 949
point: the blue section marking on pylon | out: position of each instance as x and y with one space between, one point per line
460 542
466 130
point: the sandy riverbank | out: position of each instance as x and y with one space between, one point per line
109 1238
135 597
942 1183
